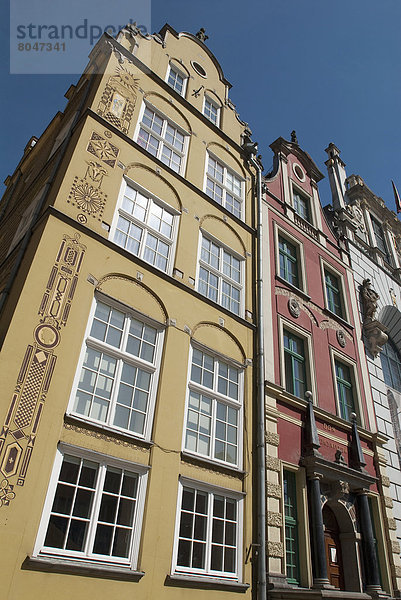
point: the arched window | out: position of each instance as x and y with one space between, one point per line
391 365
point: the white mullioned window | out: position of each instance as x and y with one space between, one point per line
93 510
117 376
145 226
208 536
213 427
163 139
176 79
224 186
220 275
211 110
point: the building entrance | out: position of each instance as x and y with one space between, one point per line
333 549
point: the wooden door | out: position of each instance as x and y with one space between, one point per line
333 549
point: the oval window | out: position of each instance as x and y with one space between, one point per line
198 68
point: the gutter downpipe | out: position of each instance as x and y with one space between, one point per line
260 399
62 151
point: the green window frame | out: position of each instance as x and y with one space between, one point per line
294 362
345 392
333 293
288 261
301 206
291 527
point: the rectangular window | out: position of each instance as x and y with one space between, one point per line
211 111
162 139
344 390
224 186
288 259
208 533
177 80
214 410
333 293
291 527
294 363
94 509
301 205
118 372
220 277
145 228
380 238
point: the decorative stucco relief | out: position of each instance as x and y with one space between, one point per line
103 150
20 428
86 193
119 97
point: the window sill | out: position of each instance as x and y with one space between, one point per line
294 288
85 569
337 318
207 583
200 460
104 429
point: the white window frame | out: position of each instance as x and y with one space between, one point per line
300 258
223 184
309 356
146 229
218 491
335 355
104 461
181 73
215 396
208 99
161 137
325 266
295 189
122 358
219 273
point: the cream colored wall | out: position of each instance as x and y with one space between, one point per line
20 522
157 296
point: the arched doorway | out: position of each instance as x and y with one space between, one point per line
332 544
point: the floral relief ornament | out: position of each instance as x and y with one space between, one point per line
86 193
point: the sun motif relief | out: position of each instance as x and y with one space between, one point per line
125 78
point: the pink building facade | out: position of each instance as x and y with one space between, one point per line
325 472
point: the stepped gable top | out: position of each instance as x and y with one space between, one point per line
184 34
286 147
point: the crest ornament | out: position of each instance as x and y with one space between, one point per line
294 307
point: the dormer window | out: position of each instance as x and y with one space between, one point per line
380 238
301 205
177 79
211 110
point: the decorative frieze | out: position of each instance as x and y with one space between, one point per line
274 519
275 549
386 481
388 502
273 490
272 463
396 571
272 438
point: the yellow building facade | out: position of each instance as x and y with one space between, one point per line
128 322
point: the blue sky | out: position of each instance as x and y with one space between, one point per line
329 70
